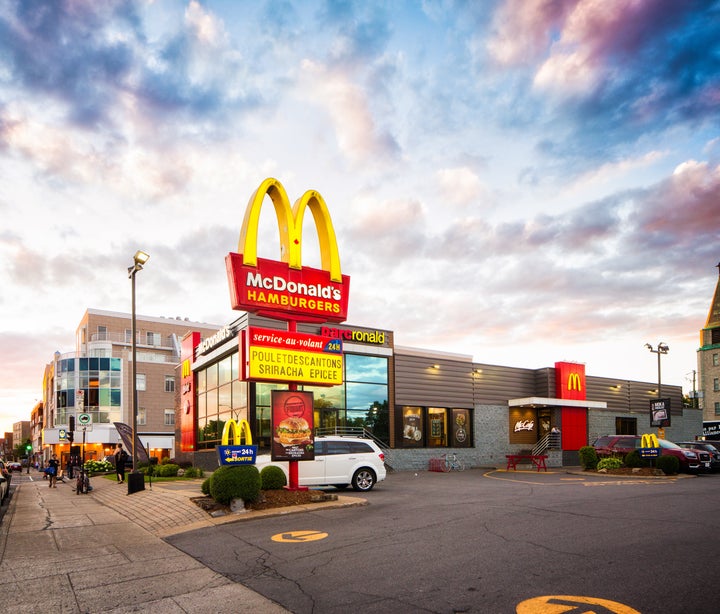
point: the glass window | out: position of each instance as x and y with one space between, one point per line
239 396
169 417
225 398
716 360
142 416
371 369
460 433
128 335
169 383
717 409
140 381
437 435
212 376
365 396
413 425
225 371
102 333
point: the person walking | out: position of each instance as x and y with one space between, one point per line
52 470
120 459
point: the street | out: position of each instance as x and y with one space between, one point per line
483 541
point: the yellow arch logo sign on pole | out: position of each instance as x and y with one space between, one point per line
649 440
285 289
237 453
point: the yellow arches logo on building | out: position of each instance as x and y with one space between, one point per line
238 428
186 372
649 440
290 223
574 382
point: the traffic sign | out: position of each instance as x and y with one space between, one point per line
84 419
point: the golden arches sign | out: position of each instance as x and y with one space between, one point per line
649 440
290 223
238 429
574 382
285 289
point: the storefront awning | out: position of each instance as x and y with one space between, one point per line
158 441
543 402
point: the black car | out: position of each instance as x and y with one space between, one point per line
708 447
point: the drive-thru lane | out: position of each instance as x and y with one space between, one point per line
481 541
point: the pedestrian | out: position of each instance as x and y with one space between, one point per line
52 470
120 459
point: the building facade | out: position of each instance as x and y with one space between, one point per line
708 364
96 380
419 404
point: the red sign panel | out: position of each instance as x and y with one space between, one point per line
570 381
274 289
187 392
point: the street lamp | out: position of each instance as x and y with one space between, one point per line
139 260
662 348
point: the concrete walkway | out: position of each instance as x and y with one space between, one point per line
102 552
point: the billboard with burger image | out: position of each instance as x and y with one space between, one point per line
292 413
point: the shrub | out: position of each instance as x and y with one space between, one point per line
610 463
193 472
93 466
168 470
205 487
272 478
228 483
633 459
669 465
165 460
588 457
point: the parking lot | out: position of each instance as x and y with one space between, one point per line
481 541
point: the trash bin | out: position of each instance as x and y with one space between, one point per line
136 482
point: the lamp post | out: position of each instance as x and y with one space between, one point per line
139 260
662 348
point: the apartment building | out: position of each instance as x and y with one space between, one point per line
96 380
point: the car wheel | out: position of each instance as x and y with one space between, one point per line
363 479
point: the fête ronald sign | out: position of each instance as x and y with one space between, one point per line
285 289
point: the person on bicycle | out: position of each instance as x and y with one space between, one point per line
120 459
52 470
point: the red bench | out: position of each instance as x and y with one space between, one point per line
538 461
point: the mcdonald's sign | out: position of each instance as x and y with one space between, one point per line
285 289
570 380
237 453
649 446
187 395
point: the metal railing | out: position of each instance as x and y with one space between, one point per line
550 441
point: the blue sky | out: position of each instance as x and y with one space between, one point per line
523 181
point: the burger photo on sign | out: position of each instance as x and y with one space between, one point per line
293 431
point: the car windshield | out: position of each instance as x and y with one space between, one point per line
668 445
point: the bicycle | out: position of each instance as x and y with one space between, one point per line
452 463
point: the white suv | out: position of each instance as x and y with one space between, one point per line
339 461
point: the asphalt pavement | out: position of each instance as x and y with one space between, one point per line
104 551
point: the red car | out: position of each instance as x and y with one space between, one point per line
691 460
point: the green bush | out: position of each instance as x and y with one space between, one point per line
610 463
272 478
633 459
228 483
193 472
205 487
93 466
588 457
169 470
669 465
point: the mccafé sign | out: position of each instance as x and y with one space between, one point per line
285 289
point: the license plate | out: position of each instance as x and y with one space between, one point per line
707 464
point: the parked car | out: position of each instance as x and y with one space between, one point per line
708 447
340 462
14 466
4 489
691 460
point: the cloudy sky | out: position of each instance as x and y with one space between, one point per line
523 181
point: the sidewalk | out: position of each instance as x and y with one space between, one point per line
102 552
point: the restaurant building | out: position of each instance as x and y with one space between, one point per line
419 404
